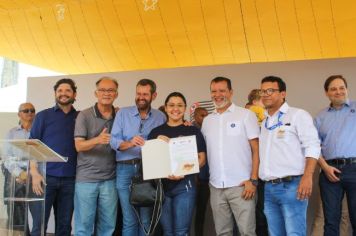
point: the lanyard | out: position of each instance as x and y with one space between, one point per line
279 122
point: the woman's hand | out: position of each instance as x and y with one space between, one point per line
163 137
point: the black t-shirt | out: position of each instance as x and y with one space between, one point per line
174 132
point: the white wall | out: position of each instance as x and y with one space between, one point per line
304 82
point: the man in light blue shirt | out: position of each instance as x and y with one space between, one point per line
130 130
14 167
336 127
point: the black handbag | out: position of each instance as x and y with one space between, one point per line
147 193
143 193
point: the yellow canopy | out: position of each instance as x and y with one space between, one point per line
91 36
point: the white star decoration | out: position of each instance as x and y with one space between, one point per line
149 4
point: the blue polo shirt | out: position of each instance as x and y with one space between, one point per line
336 128
56 129
128 124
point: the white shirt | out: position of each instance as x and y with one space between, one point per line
283 149
227 138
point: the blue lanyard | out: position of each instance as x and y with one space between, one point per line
279 122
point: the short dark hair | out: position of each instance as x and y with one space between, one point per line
107 78
65 81
145 82
175 94
254 95
222 79
274 79
331 79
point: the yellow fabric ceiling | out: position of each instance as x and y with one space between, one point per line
90 36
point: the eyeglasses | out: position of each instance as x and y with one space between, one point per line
267 92
28 111
111 91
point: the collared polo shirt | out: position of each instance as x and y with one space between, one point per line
56 129
283 150
336 128
128 124
98 163
227 138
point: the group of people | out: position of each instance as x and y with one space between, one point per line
265 157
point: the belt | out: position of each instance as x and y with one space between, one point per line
130 162
283 180
342 161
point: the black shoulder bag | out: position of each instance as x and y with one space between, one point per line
147 193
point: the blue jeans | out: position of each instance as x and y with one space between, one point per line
286 215
178 209
60 195
130 224
332 195
95 198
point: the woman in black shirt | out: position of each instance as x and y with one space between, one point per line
180 191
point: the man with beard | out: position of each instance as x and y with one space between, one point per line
55 127
335 125
130 130
231 135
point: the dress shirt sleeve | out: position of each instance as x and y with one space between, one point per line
117 131
251 126
81 130
317 124
308 135
203 128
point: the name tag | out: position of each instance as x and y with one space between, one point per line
281 133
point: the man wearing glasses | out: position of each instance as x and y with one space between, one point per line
95 196
55 127
130 130
289 150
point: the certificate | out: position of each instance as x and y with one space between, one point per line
177 157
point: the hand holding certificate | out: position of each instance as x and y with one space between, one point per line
178 157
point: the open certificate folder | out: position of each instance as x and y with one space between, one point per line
177 157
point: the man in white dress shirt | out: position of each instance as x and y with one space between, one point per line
289 150
231 135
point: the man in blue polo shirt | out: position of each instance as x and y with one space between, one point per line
336 127
55 127
130 130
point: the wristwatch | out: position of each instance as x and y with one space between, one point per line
254 182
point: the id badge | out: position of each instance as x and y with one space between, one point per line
281 133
